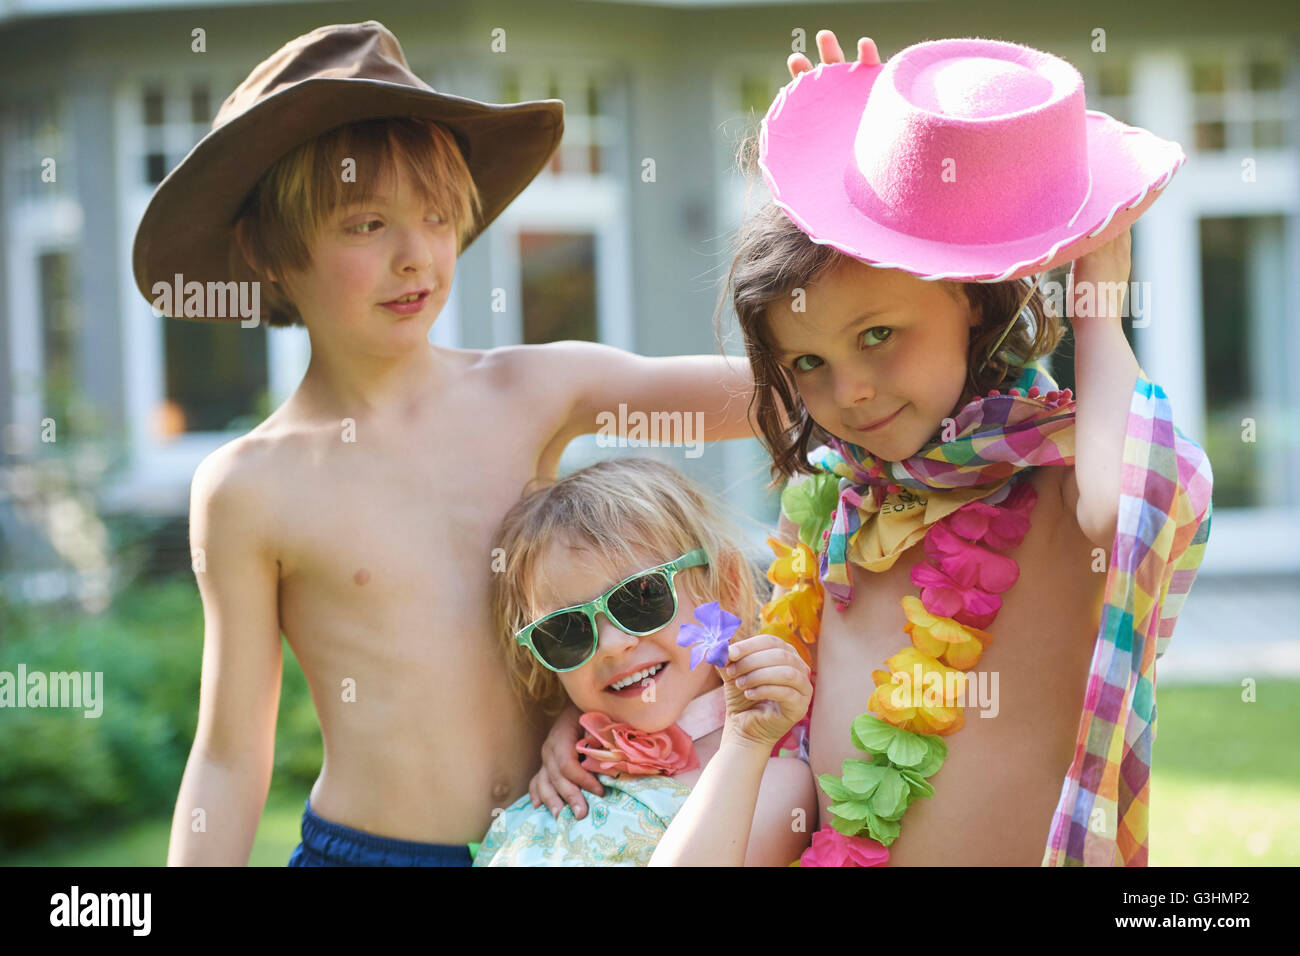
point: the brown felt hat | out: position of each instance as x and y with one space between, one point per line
328 78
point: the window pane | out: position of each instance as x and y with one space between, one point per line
1211 136
216 373
510 88
756 93
1267 74
1207 76
1243 290
155 168
200 105
153 106
1112 80
1268 133
60 321
558 284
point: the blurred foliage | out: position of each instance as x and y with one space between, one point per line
1236 484
62 772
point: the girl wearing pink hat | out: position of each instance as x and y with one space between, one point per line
981 569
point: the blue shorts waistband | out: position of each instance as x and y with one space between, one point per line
325 843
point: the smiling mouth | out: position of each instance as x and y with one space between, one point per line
407 299
883 421
652 671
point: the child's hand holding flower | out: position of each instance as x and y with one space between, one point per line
769 688
767 682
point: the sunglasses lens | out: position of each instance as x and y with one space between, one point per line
565 640
644 603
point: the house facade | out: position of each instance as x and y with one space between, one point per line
624 239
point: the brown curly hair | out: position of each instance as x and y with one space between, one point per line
773 257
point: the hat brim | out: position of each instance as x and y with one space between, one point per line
187 227
806 145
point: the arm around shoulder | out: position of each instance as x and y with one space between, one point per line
228 773
711 390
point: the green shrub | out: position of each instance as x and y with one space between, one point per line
61 771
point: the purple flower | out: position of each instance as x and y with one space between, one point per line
709 643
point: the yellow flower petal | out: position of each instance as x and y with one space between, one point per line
942 638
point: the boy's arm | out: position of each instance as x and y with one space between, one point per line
229 768
600 378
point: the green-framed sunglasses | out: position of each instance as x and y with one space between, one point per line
566 639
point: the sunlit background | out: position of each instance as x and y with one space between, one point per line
106 409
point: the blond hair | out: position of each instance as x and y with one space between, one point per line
618 508
296 197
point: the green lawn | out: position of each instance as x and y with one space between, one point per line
145 843
1225 789
1225 792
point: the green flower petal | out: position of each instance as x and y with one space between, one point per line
847 827
883 832
809 504
871 734
903 748
862 777
834 788
919 786
906 749
892 796
933 760
852 809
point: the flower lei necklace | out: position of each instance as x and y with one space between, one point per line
975 512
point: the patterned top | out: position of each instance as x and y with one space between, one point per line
622 828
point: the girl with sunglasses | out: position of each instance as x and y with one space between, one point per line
602 571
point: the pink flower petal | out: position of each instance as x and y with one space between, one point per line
832 848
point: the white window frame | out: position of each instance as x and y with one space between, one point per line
159 472
34 228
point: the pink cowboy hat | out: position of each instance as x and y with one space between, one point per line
970 160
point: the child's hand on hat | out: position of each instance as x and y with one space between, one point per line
768 689
829 49
1105 264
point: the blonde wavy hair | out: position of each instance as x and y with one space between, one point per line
620 509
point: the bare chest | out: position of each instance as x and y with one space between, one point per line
388 526
1023 704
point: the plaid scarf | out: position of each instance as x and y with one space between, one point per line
993 438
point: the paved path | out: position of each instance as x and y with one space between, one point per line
1233 628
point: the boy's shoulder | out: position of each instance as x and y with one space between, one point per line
243 474
233 470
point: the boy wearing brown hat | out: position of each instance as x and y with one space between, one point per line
357 518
